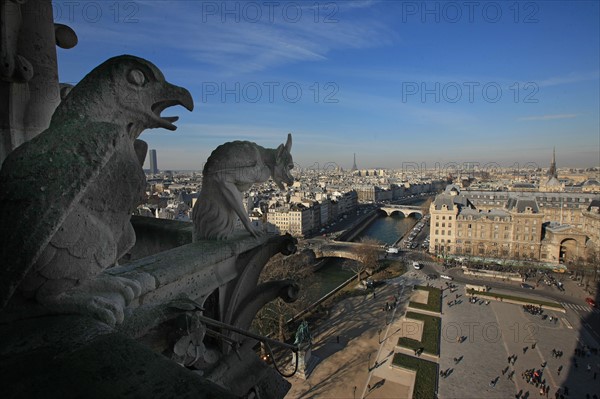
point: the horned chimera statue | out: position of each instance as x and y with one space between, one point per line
231 169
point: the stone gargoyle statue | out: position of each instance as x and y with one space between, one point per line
66 196
231 169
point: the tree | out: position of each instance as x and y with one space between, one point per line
426 205
367 253
298 267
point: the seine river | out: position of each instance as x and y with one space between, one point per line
385 229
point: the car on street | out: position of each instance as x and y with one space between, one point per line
590 302
531 287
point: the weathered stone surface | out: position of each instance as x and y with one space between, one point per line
209 263
67 195
157 235
78 357
29 90
231 169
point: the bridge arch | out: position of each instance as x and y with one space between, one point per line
403 211
346 250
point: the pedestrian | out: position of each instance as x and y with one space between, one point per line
525 349
338 339
533 345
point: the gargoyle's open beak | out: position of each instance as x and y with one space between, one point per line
171 95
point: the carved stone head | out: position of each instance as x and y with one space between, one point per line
283 164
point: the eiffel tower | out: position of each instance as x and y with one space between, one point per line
354 168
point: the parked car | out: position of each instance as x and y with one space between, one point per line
531 287
590 302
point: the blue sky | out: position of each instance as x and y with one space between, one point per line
392 81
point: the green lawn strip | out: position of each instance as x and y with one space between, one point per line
433 299
430 340
514 298
425 380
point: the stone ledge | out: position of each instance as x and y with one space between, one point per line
193 270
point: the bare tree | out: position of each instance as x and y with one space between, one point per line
367 253
426 205
593 263
273 317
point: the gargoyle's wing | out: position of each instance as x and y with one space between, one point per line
40 182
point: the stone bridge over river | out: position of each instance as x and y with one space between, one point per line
337 249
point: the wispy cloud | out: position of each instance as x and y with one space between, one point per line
572 77
235 42
547 117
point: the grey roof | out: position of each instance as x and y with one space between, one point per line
553 181
451 187
523 185
450 201
558 227
594 204
591 182
520 204
476 214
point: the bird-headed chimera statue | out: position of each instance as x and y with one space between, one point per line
66 196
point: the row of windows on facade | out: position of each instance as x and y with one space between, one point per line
548 199
496 236
482 227
482 251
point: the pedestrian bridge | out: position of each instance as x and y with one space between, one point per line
406 210
337 249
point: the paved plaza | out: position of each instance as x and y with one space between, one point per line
476 342
492 333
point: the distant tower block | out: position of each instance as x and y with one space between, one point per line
354 168
552 171
153 163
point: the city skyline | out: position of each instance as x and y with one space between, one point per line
395 83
